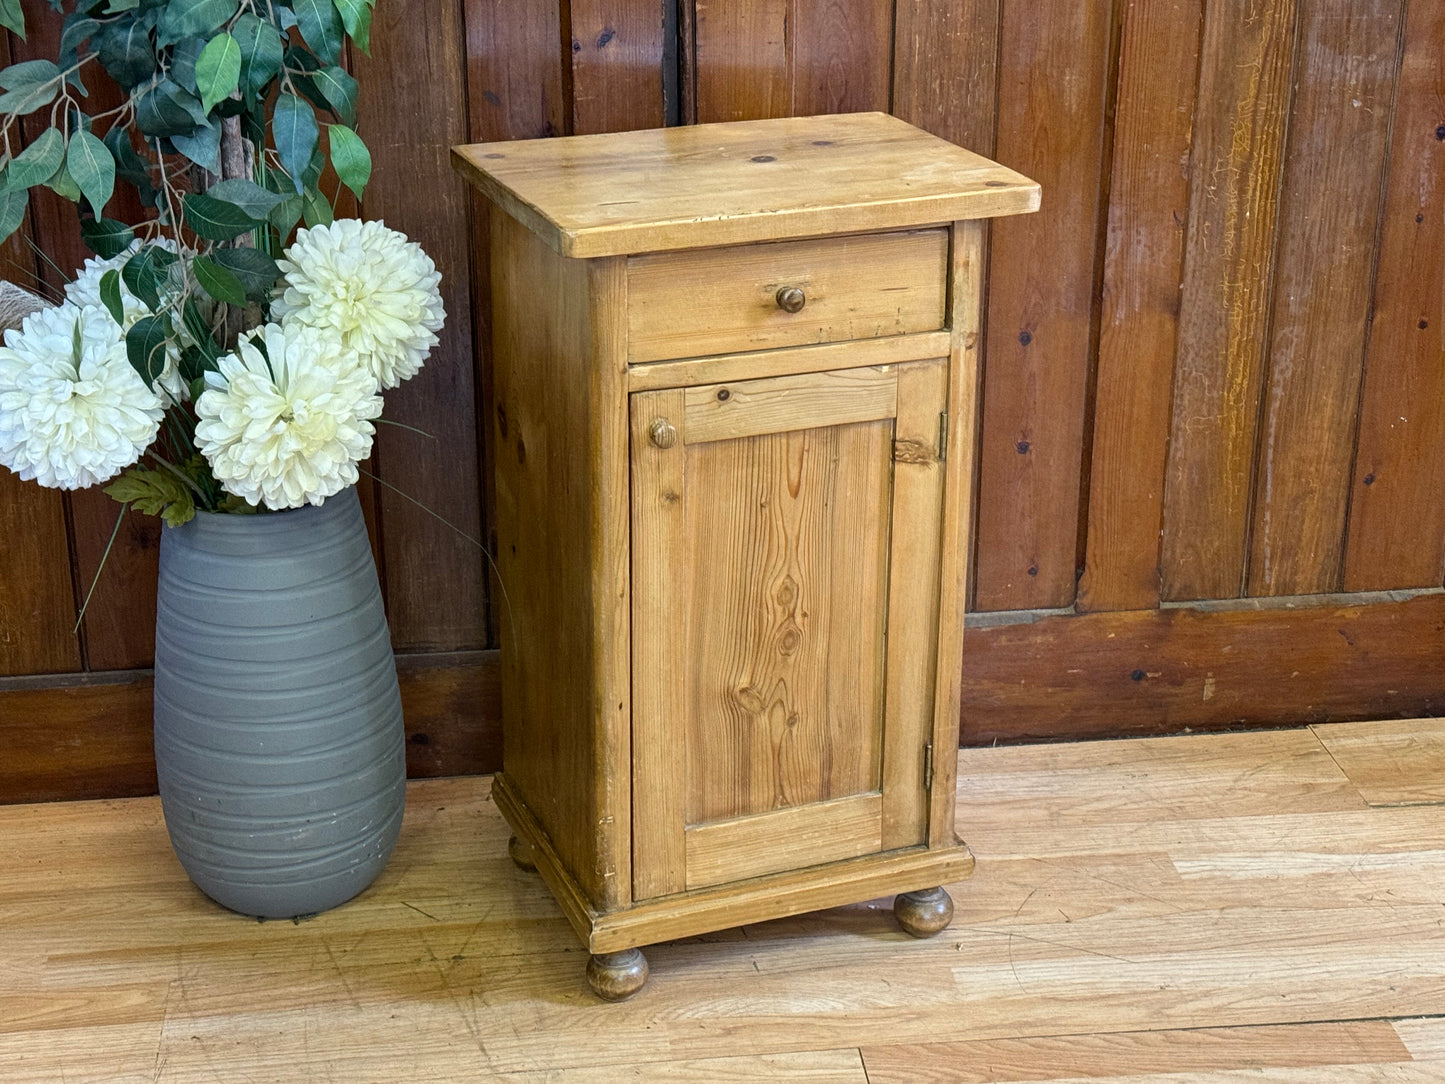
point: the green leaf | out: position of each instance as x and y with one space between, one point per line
106 237
203 146
125 49
350 157
285 215
12 212
64 186
77 28
90 163
155 493
194 18
12 18
315 209
261 51
129 166
30 85
320 25
339 89
144 272
356 17
38 162
218 282
256 271
167 110
294 126
249 196
183 62
201 333
218 71
110 296
145 346
216 220
29 73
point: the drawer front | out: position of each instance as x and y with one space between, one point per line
725 300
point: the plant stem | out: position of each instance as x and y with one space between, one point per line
99 569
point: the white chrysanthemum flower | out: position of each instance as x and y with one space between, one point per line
369 285
85 291
72 416
287 427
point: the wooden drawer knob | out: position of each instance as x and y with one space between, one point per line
662 432
791 299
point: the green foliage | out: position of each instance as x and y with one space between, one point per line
186 67
156 493
145 346
106 237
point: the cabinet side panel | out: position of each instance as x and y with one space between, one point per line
547 506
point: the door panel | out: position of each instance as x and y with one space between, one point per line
780 700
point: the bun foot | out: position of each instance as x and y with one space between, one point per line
523 854
923 913
615 976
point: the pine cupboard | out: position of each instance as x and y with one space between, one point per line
735 372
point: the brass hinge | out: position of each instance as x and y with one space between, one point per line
928 766
942 435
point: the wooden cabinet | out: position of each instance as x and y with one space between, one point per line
735 374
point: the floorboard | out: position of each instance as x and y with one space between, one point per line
1262 907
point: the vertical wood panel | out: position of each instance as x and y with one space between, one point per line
1143 263
514 91
1050 127
1397 500
616 65
779 58
413 108
119 628
1329 210
37 601
1245 67
743 66
945 69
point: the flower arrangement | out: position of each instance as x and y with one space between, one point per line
199 361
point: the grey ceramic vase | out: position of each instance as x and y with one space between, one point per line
278 729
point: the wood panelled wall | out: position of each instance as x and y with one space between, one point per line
1211 478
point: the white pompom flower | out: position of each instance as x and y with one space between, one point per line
288 427
73 412
85 291
370 286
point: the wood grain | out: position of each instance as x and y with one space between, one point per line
562 552
798 58
945 69
660 613
786 839
781 404
436 595
1085 951
1041 293
1397 489
1139 319
1164 670
787 577
616 54
1324 262
714 301
770 180
1236 164
750 365
1390 762
915 583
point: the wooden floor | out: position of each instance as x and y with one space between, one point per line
1261 907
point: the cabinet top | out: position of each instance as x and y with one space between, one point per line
740 182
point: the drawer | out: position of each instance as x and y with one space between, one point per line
725 300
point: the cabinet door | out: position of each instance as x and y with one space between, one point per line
785 569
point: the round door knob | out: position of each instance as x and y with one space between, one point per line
791 299
662 432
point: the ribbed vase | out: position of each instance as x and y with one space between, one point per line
278 729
